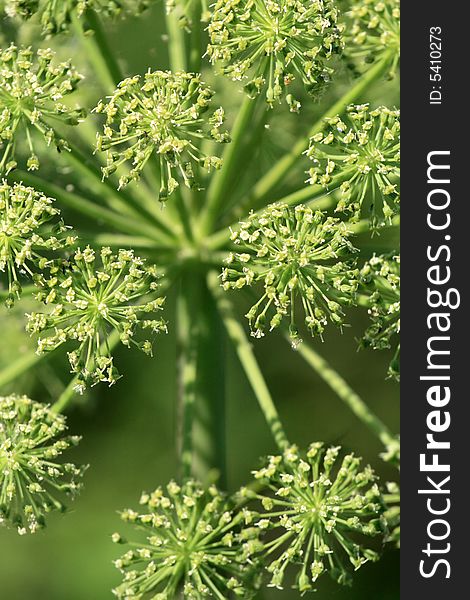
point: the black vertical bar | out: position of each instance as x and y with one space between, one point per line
435 119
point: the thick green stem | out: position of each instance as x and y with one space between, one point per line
245 353
276 174
195 45
176 43
209 426
345 393
222 179
19 367
99 52
187 306
70 391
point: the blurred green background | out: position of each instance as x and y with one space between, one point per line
128 431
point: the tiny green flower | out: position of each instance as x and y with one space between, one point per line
364 153
56 16
373 31
31 94
317 513
91 297
392 513
272 42
32 480
380 279
196 546
186 9
294 253
30 232
164 116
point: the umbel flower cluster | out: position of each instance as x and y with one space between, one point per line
32 90
33 481
195 543
30 234
380 279
90 298
318 508
55 16
163 117
295 254
270 43
372 31
363 153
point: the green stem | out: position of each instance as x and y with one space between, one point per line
345 393
99 52
176 43
90 209
276 174
364 225
116 199
27 290
69 393
19 367
245 353
210 418
195 46
187 372
222 179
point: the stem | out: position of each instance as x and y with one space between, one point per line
249 363
27 290
345 393
81 205
211 401
20 366
195 47
99 51
69 393
187 372
176 43
221 180
276 174
364 225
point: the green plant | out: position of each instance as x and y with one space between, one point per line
154 176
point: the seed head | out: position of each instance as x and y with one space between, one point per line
373 30
91 297
380 280
32 90
32 479
195 543
56 16
164 117
30 230
294 253
317 511
364 153
272 42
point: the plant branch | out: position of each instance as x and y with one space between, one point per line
176 43
221 180
345 393
20 366
245 353
276 174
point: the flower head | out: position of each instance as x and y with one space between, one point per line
164 116
272 42
56 16
91 297
373 32
32 479
30 229
196 543
380 279
319 511
32 89
294 253
363 152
